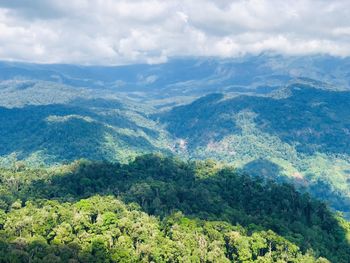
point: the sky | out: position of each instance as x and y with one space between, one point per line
114 32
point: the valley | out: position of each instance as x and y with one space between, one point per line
248 156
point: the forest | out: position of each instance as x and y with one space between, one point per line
161 209
299 133
98 168
174 131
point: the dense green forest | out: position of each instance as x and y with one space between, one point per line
96 129
315 119
161 209
298 134
279 145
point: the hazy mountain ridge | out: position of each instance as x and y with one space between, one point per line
190 76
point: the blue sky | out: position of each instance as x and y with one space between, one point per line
151 31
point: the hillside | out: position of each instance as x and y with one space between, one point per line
296 132
286 134
46 135
45 123
300 131
174 131
164 210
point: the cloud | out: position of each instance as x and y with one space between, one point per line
151 31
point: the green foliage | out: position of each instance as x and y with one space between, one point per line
158 209
131 236
300 136
315 119
96 129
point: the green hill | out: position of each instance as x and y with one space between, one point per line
163 210
299 134
96 129
274 134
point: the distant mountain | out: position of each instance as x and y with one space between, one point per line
190 76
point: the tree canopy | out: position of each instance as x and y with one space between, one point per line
160 209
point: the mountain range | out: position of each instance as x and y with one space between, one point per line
278 119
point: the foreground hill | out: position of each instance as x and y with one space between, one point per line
162 210
300 131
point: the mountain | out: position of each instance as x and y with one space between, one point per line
96 129
189 77
281 122
315 119
300 131
270 118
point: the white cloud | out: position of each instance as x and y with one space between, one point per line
122 31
